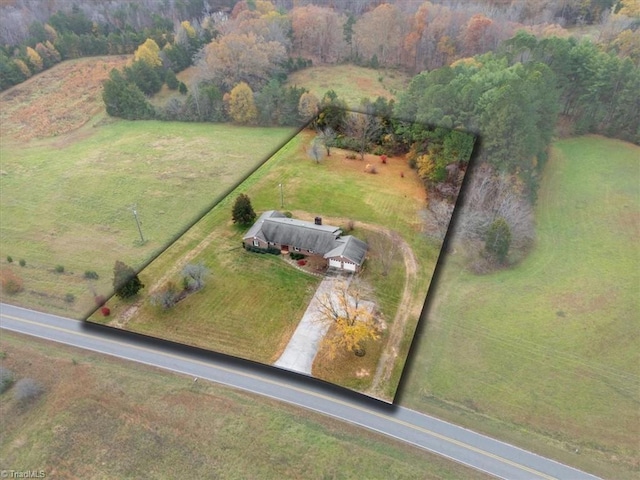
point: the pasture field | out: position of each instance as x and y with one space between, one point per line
101 417
252 303
69 200
350 82
70 176
547 354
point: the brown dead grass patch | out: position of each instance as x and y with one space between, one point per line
58 100
347 369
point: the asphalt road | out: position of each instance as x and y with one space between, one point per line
459 444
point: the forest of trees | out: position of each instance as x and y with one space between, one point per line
403 34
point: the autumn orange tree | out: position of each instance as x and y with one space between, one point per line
50 56
308 106
235 58
353 318
479 35
318 33
11 282
378 35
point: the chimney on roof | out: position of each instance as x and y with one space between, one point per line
318 221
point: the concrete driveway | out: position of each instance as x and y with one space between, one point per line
304 344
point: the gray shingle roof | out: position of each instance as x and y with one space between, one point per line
350 248
297 233
326 240
255 230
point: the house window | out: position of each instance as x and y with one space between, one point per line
256 243
296 249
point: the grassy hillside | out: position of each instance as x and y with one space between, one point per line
58 100
350 82
550 347
104 418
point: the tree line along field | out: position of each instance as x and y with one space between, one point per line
546 354
252 303
102 416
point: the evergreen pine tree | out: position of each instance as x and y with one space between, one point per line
125 280
242 212
498 239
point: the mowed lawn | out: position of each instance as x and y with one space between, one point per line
68 200
350 82
252 303
104 418
548 353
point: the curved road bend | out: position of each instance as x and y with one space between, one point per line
456 443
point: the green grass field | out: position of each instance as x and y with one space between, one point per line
104 418
253 302
547 353
544 355
350 82
68 200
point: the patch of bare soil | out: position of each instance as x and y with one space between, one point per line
58 100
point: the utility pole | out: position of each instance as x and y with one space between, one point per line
281 197
135 215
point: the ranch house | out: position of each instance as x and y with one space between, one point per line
275 231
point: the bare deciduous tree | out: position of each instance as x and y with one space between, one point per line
353 317
384 250
317 33
363 127
437 216
167 297
195 275
316 150
490 196
327 136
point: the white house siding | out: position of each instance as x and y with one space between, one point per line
335 263
350 266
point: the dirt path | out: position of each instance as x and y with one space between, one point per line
123 319
406 307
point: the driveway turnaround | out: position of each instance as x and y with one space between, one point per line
304 344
